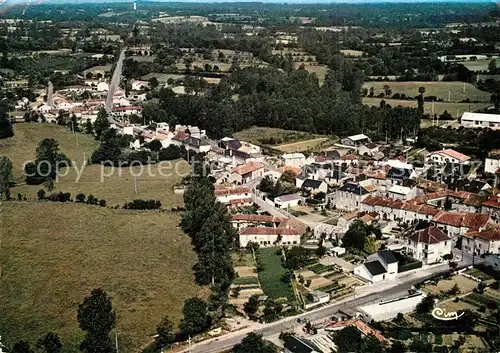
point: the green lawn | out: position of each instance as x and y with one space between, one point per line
270 275
439 107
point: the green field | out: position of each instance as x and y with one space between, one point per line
444 90
479 65
52 255
259 135
439 107
270 275
116 185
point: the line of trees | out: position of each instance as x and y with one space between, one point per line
142 205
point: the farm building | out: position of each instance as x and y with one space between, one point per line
491 121
389 309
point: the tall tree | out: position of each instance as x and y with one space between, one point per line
96 317
195 316
5 174
101 124
50 343
165 334
6 129
21 347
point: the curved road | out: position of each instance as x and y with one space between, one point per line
226 342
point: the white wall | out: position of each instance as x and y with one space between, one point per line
491 165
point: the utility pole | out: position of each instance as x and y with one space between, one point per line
116 341
135 185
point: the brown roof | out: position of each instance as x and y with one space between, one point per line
474 200
430 235
256 218
268 231
232 191
238 201
453 154
493 201
462 219
490 234
247 168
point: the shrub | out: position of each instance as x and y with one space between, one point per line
80 198
142 205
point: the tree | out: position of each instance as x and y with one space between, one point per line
253 343
348 339
89 128
101 124
21 347
287 177
420 99
252 305
397 347
272 310
96 317
50 343
356 235
41 194
5 174
6 129
155 145
426 305
296 257
165 332
195 316
170 153
492 66
454 290
266 184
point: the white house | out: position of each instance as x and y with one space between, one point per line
492 162
268 236
315 186
102 87
483 242
398 192
482 120
389 309
294 159
355 140
429 245
448 156
286 201
230 195
378 267
349 196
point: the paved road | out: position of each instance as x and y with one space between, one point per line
113 85
390 290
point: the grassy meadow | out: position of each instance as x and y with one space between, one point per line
439 107
51 262
444 90
52 255
115 185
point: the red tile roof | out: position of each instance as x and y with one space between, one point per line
349 157
268 231
124 109
256 218
462 219
430 235
493 201
232 191
490 234
247 168
240 201
361 326
180 136
453 154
